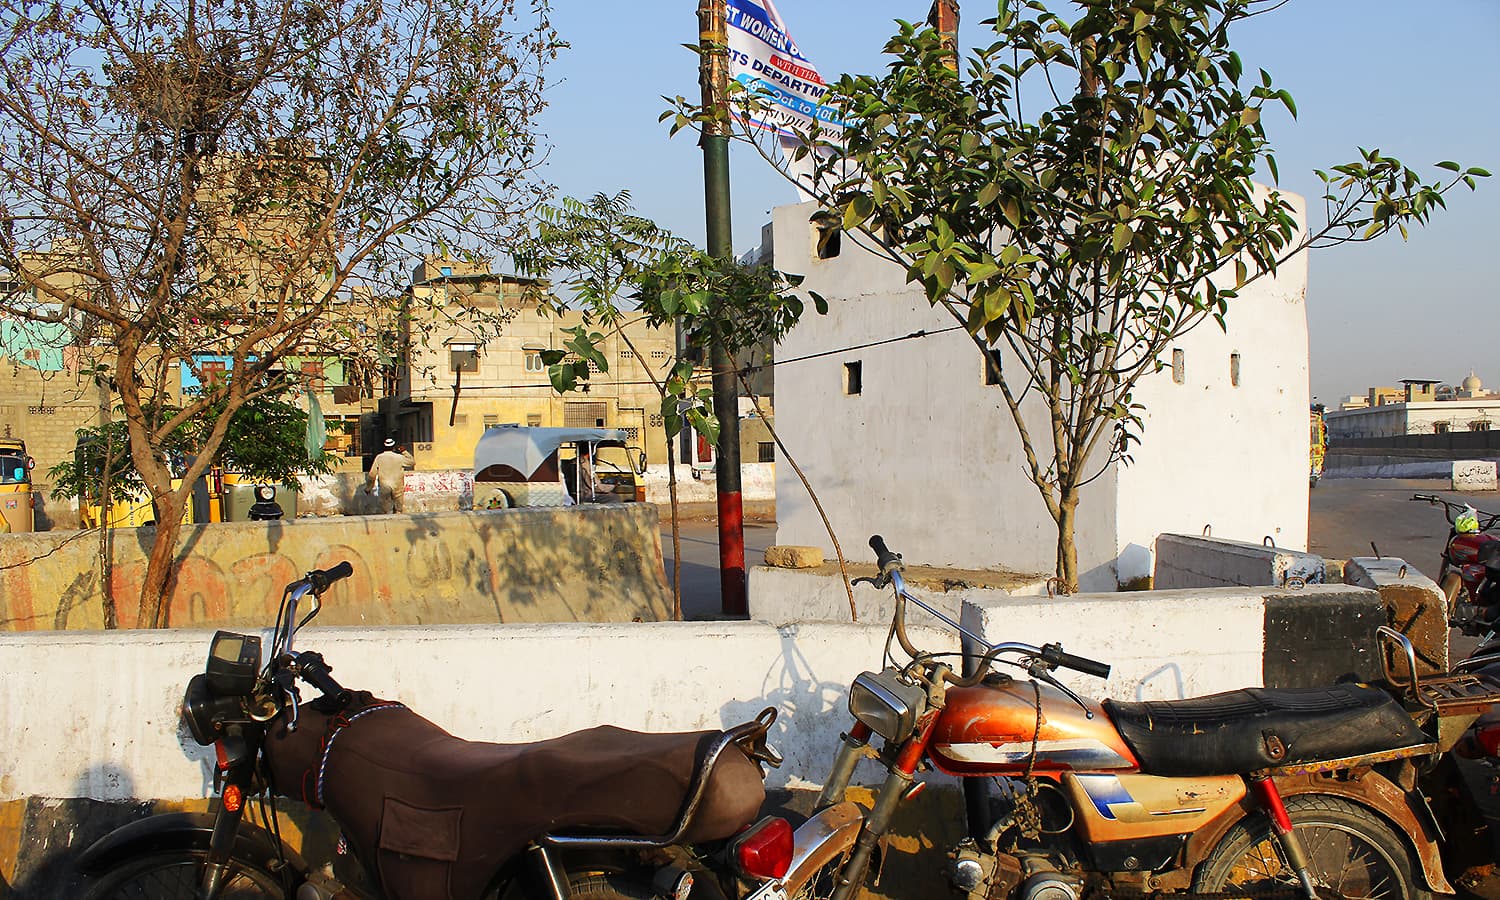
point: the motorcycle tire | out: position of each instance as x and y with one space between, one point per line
1350 850
608 887
174 876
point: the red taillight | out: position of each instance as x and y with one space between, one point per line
1483 740
222 754
765 851
233 798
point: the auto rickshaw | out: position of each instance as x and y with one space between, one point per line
16 503
523 466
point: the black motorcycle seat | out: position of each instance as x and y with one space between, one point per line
437 815
1247 730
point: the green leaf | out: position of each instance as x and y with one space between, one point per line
1450 165
1122 237
988 193
857 211
1475 170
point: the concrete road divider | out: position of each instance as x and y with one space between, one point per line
1415 606
1194 561
580 564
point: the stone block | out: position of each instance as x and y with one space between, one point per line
789 556
1474 475
1320 635
1414 605
1194 561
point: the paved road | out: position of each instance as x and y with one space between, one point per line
700 561
1347 514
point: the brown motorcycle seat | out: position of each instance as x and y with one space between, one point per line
437 816
1247 730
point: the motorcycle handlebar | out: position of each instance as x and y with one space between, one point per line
885 560
322 579
1053 653
314 670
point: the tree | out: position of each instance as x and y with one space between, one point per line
618 267
264 441
246 182
1081 196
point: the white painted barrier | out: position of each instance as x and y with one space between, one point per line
94 714
1474 475
1192 561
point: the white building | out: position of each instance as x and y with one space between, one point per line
925 453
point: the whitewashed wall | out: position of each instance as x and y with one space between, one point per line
1215 454
928 456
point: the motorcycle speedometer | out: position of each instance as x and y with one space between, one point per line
233 663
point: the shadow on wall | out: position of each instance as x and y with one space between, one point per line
53 833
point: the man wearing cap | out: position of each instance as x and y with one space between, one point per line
387 476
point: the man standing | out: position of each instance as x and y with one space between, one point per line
387 476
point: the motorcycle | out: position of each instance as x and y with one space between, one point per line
600 814
1462 570
1313 792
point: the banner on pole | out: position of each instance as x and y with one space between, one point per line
764 58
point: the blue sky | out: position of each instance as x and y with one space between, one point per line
1412 79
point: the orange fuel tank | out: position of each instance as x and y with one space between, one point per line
987 730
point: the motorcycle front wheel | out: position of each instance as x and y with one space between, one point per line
175 876
1350 851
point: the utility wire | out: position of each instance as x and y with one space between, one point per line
915 335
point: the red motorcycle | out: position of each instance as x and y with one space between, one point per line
1463 569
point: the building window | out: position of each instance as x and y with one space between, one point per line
534 361
491 420
992 368
460 420
853 377
584 415
1179 367
446 271
533 420
830 241
463 357
211 371
1479 425
767 451
1439 427
1234 370
632 434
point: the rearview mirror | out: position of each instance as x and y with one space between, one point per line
640 462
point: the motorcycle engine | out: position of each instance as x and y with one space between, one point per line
1044 882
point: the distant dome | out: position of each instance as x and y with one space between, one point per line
1472 384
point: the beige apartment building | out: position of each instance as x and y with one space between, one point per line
458 375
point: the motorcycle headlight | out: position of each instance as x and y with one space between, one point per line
203 712
888 705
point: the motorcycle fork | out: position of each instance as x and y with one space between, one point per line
897 787
1269 798
226 831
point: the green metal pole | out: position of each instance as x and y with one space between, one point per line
714 75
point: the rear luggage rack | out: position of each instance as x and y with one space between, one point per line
1455 700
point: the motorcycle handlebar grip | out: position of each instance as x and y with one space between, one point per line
884 558
322 578
1053 653
318 673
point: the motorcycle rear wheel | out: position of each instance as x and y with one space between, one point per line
1350 851
174 876
608 887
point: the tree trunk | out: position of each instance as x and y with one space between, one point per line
1067 547
156 587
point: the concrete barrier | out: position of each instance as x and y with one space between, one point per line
93 737
598 564
1474 475
1164 645
1415 606
819 595
1192 561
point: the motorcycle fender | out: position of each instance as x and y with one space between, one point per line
183 831
1370 790
821 839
